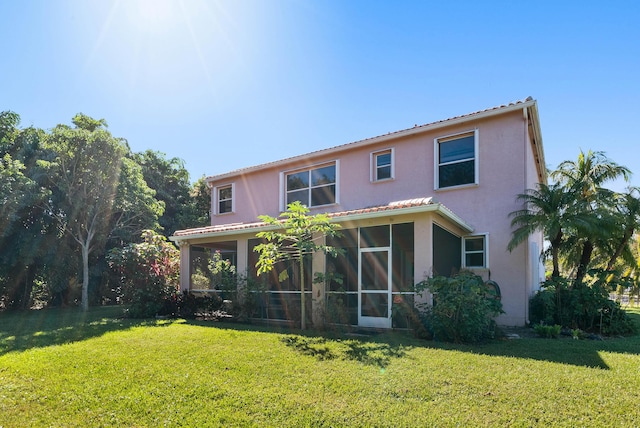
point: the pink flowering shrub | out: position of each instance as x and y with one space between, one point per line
148 273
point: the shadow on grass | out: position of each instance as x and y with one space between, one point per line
369 352
380 349
370 349
23 330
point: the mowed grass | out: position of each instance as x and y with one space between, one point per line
66 368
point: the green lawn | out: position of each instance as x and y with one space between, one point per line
65 368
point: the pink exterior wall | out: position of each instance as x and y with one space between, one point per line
506 168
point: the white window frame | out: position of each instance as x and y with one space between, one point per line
436 157
216 190
283 183
485 250
373 157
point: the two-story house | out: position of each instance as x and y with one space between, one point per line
432 199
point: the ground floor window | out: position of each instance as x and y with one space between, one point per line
213 268
447 257
373 277
277 293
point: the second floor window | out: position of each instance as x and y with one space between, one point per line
225 199
456 160
312 187
382 165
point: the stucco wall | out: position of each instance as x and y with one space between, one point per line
506 168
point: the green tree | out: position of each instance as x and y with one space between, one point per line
170 180
545 209
200 204
84 173
295 236
583 179
25 228
627 220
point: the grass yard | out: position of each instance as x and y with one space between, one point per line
65 368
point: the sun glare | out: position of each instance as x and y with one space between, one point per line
152 15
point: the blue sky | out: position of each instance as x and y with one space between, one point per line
234 83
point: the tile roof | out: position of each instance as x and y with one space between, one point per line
415 128
381 209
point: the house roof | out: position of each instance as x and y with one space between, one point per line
528 106
411 206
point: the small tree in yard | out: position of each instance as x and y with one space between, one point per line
148 272
295 236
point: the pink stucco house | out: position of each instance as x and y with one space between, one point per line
432 199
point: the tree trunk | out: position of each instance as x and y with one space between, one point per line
555 248
303 320
585 258
85 276
627 236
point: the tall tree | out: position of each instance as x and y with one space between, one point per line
25 228
170 179
584 179
545 209
296 235
627 222
85 174
200 204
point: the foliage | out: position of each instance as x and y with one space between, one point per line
587 308
189 305
547 331
27 233
148 274
586 224
68 196
294 236
84 177
170 180
462 309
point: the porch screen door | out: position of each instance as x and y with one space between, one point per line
374 284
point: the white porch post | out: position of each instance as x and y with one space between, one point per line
185 265
423 238
318 264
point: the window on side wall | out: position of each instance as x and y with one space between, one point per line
225 199
456 159
382 165
475 251
312 187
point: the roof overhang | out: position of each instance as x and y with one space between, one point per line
525 105
535 135
413 206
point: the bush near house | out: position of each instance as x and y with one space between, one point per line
148 274
463 308
585 306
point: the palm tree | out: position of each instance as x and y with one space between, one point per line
627 220
544 210
588 173
583 179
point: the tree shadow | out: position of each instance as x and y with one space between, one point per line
365 349
380 349
24 330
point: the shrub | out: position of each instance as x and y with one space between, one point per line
188 305
148 272
585 306
547 331
462 309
